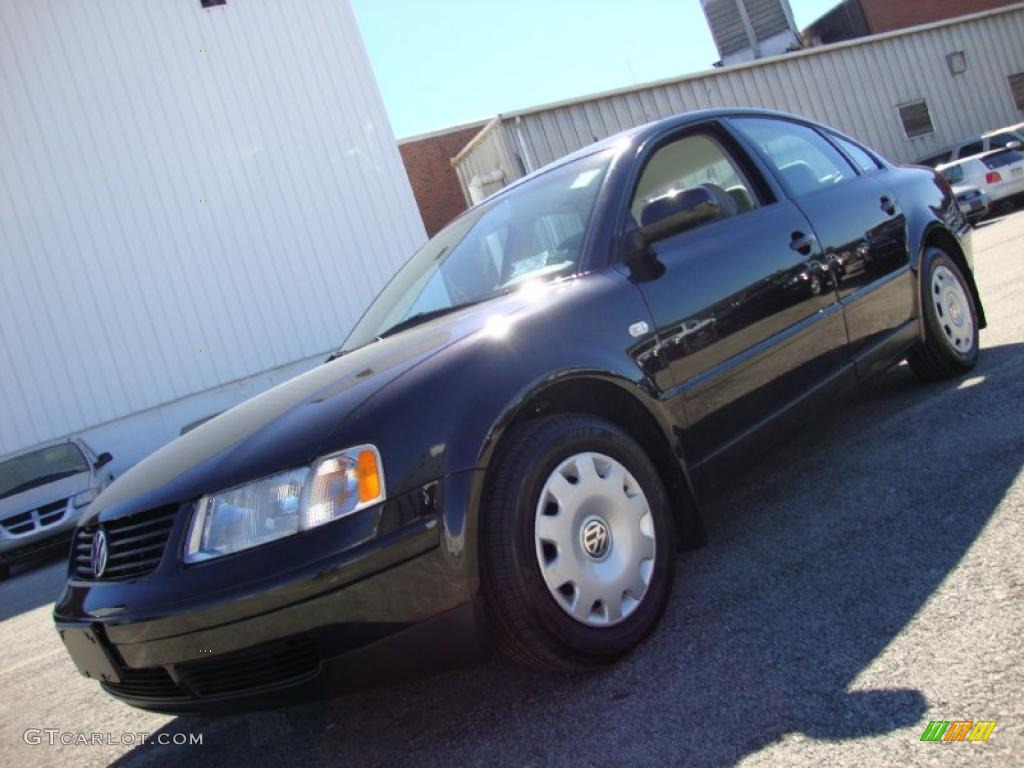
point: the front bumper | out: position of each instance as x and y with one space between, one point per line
43 541
407 593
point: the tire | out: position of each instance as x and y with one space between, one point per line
526 550
950 347
5 572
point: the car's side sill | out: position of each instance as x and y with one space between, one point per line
733 457
889 351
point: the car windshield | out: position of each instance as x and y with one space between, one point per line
40 467
534 232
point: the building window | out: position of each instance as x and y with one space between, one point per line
915 118
1017 89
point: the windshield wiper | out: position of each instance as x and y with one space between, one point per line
422 317
40 481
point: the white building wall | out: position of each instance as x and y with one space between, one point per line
854 86
188 198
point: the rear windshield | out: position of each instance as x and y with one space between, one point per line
1000 159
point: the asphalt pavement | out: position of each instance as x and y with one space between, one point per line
865 578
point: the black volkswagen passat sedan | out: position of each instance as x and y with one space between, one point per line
514 441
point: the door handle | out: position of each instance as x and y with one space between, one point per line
802 243
888 205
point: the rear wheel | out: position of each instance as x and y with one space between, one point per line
950 346
577 544
5 571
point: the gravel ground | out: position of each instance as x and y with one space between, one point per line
865 579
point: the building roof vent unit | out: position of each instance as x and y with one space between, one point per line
744 30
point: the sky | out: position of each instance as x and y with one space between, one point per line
443 62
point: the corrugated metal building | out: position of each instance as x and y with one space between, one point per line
191 209
899 92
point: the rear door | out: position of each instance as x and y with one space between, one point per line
747 315
857 219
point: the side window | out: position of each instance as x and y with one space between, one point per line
803 158
1000 140
935 160
861 159
954 174
974 148
695 161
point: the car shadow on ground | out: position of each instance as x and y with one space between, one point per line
32 584
818 558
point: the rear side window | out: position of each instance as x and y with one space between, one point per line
1002 139
954 174
801 156
1001 159
974 148
936 159
861 159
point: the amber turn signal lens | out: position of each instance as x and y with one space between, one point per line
369 476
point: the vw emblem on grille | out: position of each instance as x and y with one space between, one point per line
596 538
98 553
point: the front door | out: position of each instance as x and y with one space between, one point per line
746 311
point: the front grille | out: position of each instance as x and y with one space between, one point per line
149 683
274 664
135 544
27 522
51 513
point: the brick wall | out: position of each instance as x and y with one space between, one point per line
887 15
434 183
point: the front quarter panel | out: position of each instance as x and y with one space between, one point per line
445 416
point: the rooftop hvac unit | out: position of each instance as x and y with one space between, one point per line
750 29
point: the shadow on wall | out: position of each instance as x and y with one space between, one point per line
818 558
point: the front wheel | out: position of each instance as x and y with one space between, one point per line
577 544
950 347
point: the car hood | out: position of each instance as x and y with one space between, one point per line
41 495
285 426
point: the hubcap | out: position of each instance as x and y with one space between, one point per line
595 539
952 310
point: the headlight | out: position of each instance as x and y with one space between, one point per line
79 500
286 503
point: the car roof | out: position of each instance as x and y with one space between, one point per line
961 161
979 156
1015 128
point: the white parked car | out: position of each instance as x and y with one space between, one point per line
43 492
1011 136
998 174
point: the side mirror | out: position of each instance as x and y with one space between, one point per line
677 212
102 460
1013 145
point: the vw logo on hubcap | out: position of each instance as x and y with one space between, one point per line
596 538
98 553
